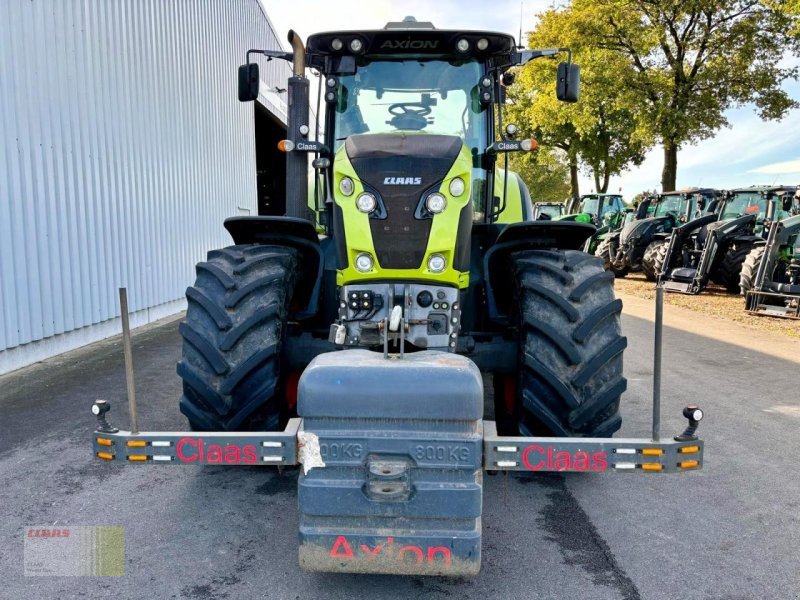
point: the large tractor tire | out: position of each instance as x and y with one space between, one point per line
747 277
232 336
653 260
571 345
603 252
730 266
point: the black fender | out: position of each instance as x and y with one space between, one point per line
294 233
530 235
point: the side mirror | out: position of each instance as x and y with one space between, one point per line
641 210
568 82
248 82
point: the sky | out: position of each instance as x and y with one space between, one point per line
749 152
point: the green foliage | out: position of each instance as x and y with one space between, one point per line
544 172
685 62
599 131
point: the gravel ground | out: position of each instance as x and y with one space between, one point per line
714 300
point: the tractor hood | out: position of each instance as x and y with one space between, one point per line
401 168
633 232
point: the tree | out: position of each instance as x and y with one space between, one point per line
599 131
545 174
688 61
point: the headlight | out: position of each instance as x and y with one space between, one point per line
462 45
356 45
364 262
482 44
366 202
435 203
437 263
457 186
346 186
336 44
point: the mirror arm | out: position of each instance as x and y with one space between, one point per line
270 54
526 56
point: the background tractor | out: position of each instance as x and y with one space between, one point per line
714 247
548 210
607 212
633 247
770 278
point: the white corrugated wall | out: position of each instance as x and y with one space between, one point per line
122 150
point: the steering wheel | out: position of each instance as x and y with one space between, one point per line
403 109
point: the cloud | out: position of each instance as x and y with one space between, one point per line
780 168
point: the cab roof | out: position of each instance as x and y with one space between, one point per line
765 188
690 191
409 38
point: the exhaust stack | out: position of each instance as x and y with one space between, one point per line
297 162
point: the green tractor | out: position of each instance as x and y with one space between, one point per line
548 210
633 246
355 334
427 244
714 246
770 277
607 212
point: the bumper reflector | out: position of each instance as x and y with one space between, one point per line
689 449
652 451
688 464
105 455
136 443
104 441
506 463
652 467
137 457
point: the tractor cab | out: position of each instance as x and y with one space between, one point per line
598 209
414 145
767 203
547 210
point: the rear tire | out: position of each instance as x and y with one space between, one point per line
747 277
603 252
653 259
571 345
729 271
232 338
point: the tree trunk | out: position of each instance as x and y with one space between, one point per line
573 177
601 185
670 172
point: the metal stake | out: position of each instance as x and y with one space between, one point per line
126 346
657 364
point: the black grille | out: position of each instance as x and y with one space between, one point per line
400 168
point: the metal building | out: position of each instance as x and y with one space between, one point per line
122 150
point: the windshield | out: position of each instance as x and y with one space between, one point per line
551 210
433 96
745 203
591 204
674 205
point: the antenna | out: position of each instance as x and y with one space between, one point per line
519 43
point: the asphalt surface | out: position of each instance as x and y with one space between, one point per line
729 531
